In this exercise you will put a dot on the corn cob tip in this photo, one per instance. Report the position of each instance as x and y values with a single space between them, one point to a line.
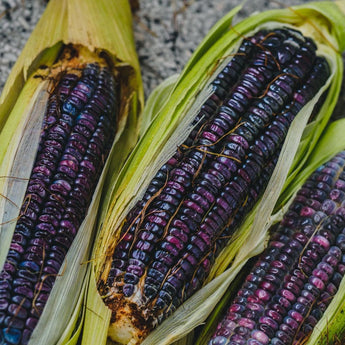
131 326
125 329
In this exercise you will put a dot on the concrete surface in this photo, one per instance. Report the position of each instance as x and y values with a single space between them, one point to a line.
166 31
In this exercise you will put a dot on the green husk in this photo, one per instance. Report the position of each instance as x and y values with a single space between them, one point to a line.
99 27
325 23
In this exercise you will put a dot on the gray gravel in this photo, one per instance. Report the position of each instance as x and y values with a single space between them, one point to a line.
166 31
17 19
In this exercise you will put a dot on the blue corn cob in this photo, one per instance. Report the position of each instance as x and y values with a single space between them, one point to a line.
296 277
200 196
77 132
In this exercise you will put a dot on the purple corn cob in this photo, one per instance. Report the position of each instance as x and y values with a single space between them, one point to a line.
77 133
200 196
294 280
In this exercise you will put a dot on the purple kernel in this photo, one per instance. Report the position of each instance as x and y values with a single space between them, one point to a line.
31 323
193 206
48 218
318 273
236 308
260 336
269 321
274 315
136 270
175 241
290 322
128 290
88 165
267 286
263 295
3 304
67 225
307 211
17 311
318 283
296 315
287 294
322 241
70 164
46 228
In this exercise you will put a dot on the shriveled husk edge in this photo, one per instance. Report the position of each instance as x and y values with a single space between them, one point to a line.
101 27
172 124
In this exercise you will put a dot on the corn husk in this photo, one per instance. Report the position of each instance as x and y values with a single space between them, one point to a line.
178 104
95 27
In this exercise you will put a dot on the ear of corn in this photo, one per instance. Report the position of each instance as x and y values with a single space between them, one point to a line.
169 129
321 290
100 33
329 329
295 279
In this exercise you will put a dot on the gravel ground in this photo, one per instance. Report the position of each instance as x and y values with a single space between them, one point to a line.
166 31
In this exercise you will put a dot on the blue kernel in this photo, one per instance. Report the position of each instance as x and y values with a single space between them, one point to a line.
12 335
69 108
30 265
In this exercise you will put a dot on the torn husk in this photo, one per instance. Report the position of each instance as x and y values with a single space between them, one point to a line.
69 35
171 126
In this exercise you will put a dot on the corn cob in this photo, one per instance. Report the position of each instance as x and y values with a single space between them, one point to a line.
196 201
74 88
77 132
295 279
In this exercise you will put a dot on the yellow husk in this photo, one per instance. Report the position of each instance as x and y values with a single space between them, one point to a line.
95 27
325 23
